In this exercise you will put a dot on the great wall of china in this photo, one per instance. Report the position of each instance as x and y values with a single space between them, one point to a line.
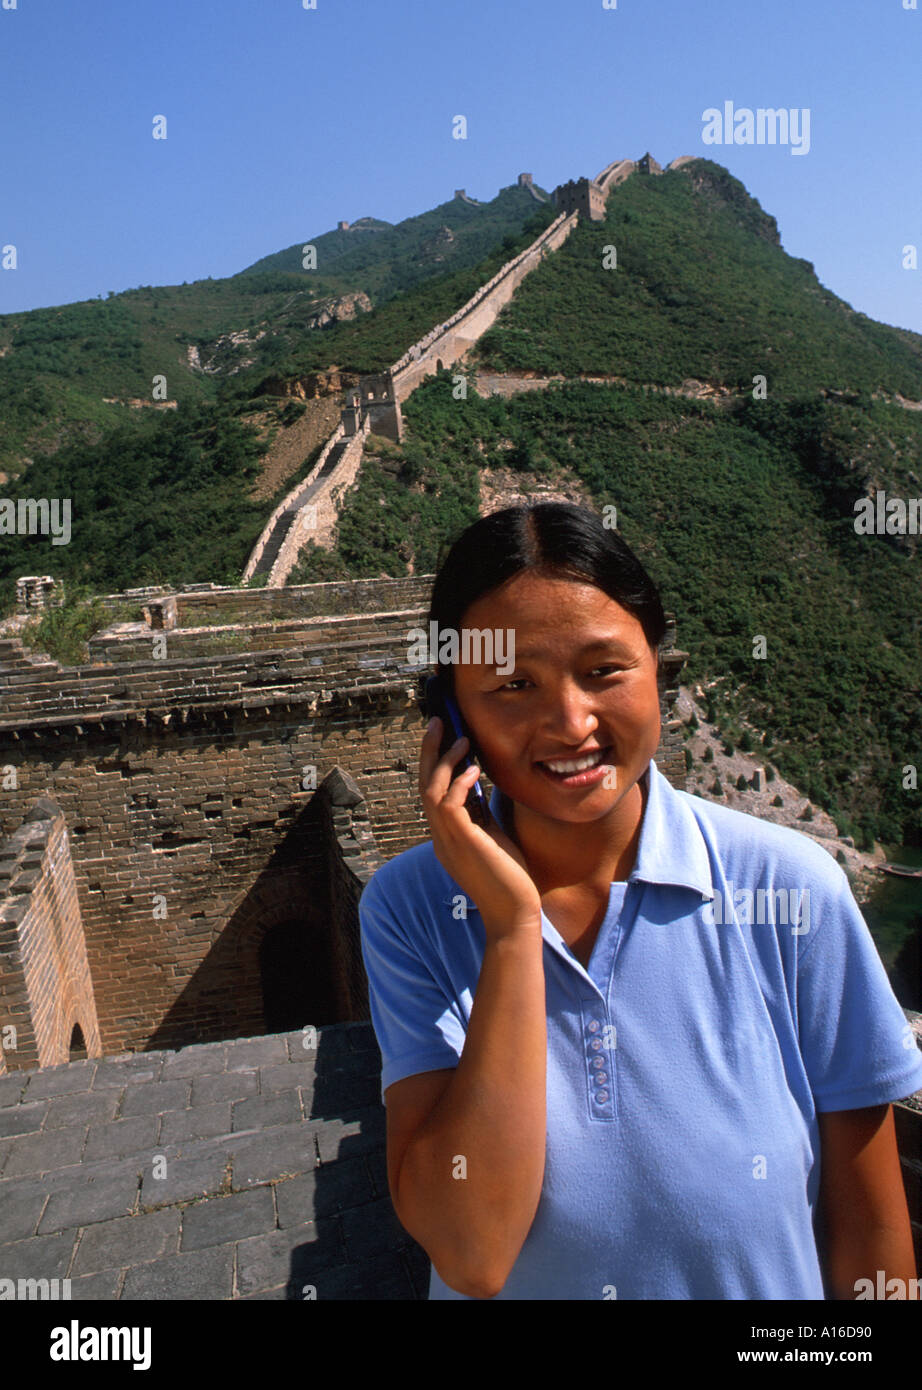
187 824
310 509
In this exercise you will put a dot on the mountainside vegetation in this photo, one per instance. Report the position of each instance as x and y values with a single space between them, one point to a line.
67 372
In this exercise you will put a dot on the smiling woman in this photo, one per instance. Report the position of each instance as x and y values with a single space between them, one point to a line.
595 1086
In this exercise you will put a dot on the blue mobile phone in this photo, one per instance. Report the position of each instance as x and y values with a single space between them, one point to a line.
439 702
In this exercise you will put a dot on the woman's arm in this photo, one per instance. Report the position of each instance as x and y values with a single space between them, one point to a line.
863 1200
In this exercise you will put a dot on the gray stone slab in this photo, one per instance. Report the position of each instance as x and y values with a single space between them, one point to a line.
345 1068
285 1076
256 1052
384 1277
41 1153
129 1240
222 1219
40 1257
296 1256
122 1138
283 1108
200 1274
91 1192
155 1099
286 1151
12 1087
417 1262
340 1094
21 1205
230 1085
198 1122
278 1294
100 1288
23 1119
373 1229
60 1081
376 1163
332 1188
136 1069
186 1178
360 1036
297 1051
346 1138
89 1107
205 1059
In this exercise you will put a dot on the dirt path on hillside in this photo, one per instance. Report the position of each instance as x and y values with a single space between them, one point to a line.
293 443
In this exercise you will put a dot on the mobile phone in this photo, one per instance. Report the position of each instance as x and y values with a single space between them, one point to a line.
438 702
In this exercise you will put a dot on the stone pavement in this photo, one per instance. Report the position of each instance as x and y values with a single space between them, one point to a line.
246 1169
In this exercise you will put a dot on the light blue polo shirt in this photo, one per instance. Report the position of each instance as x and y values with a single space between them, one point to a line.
685 1066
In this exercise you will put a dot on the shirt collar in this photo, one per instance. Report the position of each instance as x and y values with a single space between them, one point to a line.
671 849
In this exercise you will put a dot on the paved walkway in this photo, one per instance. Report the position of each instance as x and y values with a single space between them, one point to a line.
248 1169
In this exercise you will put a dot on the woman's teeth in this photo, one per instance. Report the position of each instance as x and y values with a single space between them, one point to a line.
576 765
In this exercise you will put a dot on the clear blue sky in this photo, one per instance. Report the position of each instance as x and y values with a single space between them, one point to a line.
282 120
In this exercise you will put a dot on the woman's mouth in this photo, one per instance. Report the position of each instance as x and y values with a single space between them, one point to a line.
577 772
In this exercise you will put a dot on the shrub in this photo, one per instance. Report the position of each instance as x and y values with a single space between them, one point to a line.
63 630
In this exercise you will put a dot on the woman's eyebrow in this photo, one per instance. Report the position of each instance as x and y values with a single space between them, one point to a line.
602 643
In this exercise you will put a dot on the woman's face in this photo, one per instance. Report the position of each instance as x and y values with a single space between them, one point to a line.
584 679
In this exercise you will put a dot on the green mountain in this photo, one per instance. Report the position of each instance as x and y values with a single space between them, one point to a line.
701 288
68 372
382 259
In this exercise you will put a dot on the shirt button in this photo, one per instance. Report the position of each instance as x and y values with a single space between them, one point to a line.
594 1026
601 1097
597 1062
596 1044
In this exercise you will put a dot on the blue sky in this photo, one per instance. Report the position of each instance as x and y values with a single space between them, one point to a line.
282 120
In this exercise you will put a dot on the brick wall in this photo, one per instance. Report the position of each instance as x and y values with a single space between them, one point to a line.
45 984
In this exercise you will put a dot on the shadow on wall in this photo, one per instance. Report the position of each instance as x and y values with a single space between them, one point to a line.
346 1196
276 962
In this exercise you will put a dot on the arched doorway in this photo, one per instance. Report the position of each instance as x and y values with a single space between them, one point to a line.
297 982
77 1045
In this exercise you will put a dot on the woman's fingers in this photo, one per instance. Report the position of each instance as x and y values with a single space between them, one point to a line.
435 773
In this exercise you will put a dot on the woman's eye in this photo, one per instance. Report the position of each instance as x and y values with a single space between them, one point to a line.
523 680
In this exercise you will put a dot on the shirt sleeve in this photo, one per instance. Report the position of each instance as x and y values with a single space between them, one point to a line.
417 1025
858 1049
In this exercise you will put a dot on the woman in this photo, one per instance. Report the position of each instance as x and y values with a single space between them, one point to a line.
604 1076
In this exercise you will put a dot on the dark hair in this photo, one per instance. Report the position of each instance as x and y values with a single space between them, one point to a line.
555 539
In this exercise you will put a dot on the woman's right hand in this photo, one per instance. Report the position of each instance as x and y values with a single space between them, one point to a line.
487 864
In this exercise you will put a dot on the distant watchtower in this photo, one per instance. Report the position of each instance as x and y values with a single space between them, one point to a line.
378 400
584 196
342 226
525 181
648 165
